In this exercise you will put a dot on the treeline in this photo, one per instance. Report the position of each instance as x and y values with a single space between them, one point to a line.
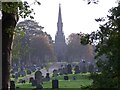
33 46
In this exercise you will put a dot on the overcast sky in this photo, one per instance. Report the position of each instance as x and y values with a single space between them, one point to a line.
77 15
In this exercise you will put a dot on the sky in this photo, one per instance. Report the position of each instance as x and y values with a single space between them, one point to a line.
77 15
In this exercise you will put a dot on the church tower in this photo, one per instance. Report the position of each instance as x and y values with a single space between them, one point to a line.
60 45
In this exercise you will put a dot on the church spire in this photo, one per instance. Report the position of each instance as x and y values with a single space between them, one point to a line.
59 14
60 45
59 23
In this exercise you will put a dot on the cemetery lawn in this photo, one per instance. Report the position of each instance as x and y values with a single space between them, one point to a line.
81 80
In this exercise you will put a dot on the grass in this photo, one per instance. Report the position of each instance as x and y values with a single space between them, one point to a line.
81 80
22 77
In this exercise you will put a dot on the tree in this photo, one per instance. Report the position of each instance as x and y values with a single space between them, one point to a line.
25 30
41 49
36 44
77 51
10 15
107 46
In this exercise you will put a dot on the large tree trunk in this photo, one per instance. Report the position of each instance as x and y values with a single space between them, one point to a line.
8 24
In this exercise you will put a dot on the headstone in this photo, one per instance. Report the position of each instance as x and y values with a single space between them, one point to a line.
16 75
65 70
83 68
69 69
38 77
66 78
55 84
22 73
28 72
74 77
91 68
77 70
31 79
23 81
33 69
61 71
55 73
20 81
61 65
12 85
47 77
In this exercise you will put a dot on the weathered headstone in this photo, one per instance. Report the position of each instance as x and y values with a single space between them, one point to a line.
47 77
12 85
77 70
33 69
65 70
69 69
22 73
55 73
55 84
31 79
38 77
83 68
16 75
28 72
23 81
61 71
90 68
66 78
20 81
74 77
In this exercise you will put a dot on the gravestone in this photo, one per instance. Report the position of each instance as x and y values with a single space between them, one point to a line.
12 85
91 68
77 70
20 81
83 68
22 73
31 79
28 72
33 69
61 71
55 84
69 69
65 70
17 75
38 77
23 81
21 68
47 77
55 73
74 77
66 78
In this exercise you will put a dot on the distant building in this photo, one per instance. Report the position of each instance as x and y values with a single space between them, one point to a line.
61 48
60 44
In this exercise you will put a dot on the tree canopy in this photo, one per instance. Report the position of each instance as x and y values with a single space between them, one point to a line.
107 46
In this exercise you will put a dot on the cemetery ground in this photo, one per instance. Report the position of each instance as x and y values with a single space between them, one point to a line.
82 79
